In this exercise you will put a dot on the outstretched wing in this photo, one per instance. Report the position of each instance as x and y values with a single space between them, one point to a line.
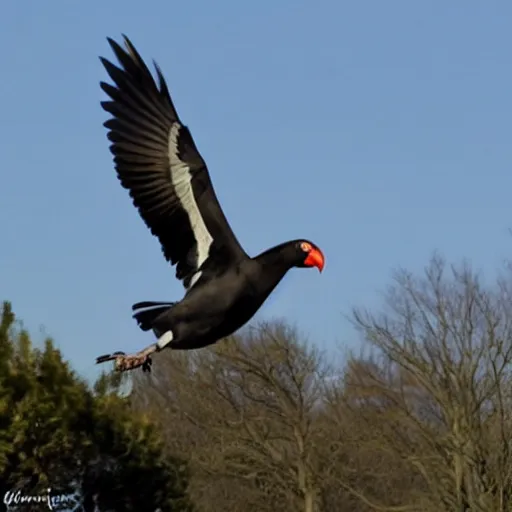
157 161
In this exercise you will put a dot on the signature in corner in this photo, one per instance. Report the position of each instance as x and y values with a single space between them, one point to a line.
13 499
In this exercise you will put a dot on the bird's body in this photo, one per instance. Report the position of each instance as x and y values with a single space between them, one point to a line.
219 307
211 312
157 161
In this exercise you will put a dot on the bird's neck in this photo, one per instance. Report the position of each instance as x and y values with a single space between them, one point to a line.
274 264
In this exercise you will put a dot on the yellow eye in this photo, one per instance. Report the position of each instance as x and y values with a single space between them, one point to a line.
305 246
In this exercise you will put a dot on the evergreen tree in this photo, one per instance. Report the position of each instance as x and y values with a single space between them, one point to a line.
56 432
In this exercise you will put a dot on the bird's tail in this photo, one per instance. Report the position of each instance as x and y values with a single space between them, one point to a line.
146 312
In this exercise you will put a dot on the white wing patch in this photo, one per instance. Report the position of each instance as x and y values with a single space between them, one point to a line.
181 180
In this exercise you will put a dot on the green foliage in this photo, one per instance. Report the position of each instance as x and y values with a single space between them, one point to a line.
55 432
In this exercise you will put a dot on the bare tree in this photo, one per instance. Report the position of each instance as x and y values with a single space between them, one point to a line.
437 391
244 412
422 423
365 474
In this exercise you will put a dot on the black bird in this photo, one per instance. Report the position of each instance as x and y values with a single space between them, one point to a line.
157 160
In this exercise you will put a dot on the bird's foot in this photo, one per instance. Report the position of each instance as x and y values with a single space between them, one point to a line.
124 362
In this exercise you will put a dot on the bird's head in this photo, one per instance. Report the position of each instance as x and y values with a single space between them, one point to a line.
308 255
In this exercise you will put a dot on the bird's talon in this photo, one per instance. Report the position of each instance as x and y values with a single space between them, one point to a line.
130 362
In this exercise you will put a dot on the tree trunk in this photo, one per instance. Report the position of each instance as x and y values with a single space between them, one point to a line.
309 501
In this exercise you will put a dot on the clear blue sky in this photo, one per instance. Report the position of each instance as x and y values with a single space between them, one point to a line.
379 130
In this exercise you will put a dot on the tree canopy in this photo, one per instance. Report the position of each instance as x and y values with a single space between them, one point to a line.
419 420
81 442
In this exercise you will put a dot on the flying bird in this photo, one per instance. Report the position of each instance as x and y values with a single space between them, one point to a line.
157 161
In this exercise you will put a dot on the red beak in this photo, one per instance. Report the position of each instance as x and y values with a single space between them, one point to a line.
315 259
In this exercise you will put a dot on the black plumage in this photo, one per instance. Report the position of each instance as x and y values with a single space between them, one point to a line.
156 159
